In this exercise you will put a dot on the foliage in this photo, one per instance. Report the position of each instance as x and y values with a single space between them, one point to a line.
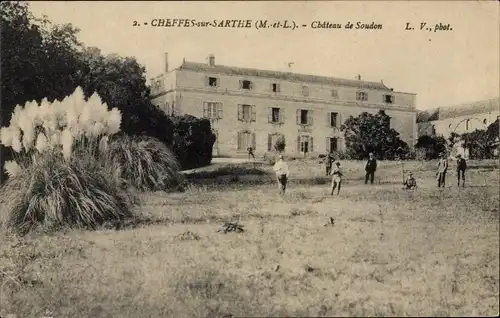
479 144
59 177
280 144
43 60
372 133
121 83
146 163
51 192
432 146
493 130
193 141
453 139
59 126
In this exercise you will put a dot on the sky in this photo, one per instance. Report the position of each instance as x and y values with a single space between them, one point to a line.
443 68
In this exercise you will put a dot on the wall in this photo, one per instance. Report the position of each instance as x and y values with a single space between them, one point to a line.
191 91
191 102
458 124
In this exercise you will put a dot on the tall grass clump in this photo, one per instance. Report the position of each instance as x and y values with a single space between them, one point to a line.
146 163
58 176
52 193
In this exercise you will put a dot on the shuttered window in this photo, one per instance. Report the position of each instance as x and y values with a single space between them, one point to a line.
212 110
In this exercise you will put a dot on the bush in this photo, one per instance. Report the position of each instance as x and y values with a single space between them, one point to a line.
193 141
50 192
146 163
59 176
280 144
431 146
372 133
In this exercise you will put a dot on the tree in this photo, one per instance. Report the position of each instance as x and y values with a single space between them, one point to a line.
431 145
193 141
372 133
280 144
479 144
121 83
38 60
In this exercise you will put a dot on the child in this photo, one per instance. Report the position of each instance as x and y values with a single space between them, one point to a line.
282 172
336 178
410 182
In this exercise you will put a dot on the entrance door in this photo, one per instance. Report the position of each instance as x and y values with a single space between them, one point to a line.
333 145
215 147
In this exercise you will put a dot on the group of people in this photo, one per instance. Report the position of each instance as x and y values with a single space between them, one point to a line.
282 172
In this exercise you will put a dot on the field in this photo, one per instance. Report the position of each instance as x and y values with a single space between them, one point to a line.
389 252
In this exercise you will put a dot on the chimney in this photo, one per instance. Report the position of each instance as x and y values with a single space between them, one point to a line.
166 62
358 77
382 81
211 60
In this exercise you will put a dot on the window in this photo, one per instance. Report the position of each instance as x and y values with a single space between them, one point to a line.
449 126
245 84
389 99
485 121
305 90
362 96
335 94
169 109
246 139
333 119
275 87
271 140
305 144
246 113
212 81
304 117
331 144
467 124
212 110
275 115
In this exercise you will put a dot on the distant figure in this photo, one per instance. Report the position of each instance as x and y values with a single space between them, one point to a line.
461 167
336 178
442 169
410 182
250 153
281 169
328 164
370 168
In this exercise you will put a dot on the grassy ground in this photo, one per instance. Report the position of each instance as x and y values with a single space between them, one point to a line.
389 253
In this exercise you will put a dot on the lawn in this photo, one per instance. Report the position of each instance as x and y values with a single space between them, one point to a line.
389 252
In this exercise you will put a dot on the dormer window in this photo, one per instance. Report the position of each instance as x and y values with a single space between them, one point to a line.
389 99
212 81
246 84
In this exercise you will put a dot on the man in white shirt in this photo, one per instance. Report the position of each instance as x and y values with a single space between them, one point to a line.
281 169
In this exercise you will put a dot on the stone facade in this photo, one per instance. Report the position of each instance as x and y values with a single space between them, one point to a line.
461 119
251 108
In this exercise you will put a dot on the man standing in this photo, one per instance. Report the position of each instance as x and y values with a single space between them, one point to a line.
461 167
328 164
250 153
281 169
442 168
370 168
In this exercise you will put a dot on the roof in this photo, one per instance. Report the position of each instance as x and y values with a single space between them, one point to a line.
467 109
240 71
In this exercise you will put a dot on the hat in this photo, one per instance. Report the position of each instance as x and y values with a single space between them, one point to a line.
337 163
370 154
459 155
